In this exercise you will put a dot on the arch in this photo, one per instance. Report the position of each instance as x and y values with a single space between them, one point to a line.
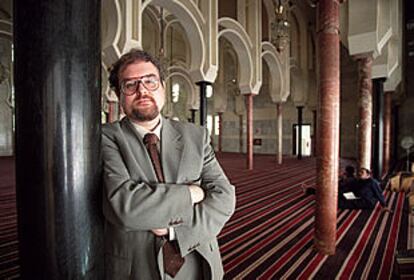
6 27
191 20
277 90
180 71
111 13
242 45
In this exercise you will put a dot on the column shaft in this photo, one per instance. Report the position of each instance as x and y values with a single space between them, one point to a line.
203 101
220 136
279 133
378 139
249 137
58 115
387 132
299 137
365 112
328 124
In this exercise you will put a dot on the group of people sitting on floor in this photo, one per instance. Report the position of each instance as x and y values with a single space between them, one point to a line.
362 192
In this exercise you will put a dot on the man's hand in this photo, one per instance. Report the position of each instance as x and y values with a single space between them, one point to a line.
197 193
160 231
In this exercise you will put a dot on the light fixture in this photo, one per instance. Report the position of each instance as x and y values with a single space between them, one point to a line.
280 25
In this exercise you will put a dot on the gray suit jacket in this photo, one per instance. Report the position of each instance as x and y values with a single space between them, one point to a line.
134 203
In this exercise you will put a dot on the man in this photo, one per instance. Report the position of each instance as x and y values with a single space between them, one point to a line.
367 193
154 210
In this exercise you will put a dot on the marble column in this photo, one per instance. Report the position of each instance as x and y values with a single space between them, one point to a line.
241 135
315 132
220 128
249 132
328 127
365 111
378 128
279 133
58 115
113 114
193 114
395 131
203 101
299 136
387 132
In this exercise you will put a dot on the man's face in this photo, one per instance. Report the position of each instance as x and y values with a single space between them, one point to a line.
144 105
363 174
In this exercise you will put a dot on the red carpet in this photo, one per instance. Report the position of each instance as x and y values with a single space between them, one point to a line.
270 235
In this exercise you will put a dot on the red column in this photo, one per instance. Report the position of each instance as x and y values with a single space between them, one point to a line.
249 141
220 128
279 133
241 136
112 111
315 132
328 127
365 111
387 131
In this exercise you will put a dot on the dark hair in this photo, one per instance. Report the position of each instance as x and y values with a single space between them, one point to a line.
350 170
134 55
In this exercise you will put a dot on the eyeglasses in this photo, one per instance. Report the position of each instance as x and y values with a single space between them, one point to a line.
130 87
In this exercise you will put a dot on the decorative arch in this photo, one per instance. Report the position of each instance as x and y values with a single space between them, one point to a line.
111 15
237 36
270 56
6 27
191 20
180 71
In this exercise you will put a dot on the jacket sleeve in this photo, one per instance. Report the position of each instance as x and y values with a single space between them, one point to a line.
131 203
377 192
210 215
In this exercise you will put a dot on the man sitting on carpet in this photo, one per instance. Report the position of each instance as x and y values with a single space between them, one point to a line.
364 194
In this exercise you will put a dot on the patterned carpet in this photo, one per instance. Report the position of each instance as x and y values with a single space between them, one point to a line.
270 234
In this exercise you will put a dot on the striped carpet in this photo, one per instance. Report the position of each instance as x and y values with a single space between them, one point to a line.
270 235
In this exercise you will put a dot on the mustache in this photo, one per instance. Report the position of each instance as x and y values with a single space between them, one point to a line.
145 98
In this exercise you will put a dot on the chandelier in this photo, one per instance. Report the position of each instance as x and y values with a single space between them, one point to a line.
280 26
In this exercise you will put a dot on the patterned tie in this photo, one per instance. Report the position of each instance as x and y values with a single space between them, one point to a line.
171 254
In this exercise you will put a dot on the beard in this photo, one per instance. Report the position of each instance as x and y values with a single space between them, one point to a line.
145 114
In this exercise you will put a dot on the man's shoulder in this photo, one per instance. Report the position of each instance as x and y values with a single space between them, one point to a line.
109 128
185 127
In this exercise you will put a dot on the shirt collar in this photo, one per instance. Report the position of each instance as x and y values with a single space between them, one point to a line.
142 130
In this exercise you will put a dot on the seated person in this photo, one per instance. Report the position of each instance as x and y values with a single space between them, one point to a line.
367 192
346 181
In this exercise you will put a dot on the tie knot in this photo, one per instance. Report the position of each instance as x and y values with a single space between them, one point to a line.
150 139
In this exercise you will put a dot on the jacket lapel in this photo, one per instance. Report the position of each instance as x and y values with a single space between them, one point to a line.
171 151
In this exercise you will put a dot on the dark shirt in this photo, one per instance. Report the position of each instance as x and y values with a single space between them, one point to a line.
368 192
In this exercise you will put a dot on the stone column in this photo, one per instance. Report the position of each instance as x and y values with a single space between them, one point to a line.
193 112
315 132
299 137
279 133
387 132
58 115
203 101
365 111
249 132
220 128
378 129
241 135
328 127
113 114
